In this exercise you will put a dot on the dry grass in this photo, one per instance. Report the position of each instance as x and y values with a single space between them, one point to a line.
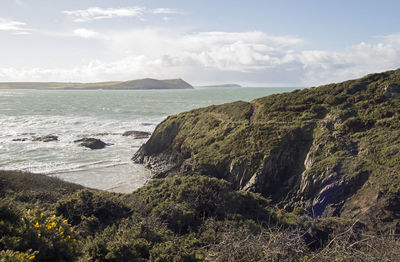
278 245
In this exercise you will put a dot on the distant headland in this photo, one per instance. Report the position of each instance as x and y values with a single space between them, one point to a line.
140 84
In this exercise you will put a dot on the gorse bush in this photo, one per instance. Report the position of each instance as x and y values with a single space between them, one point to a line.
16 256
51 237
91 210
183 203
209 221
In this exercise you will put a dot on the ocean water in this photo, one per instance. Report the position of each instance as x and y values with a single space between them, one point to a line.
103 114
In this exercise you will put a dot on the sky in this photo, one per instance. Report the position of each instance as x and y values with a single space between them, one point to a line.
273 43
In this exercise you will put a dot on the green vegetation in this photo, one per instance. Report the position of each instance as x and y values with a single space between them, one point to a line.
191 218
335 147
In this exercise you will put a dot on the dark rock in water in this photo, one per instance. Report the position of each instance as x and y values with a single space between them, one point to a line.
92 143
47 138
106 134
20 139
146 124
137 134
102 134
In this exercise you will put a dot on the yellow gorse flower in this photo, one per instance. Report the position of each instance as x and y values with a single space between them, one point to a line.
36 224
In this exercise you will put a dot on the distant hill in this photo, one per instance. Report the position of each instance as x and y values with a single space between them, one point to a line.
140 84
218 86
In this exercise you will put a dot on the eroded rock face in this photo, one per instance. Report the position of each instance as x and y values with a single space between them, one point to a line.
318 148
392 90
92 143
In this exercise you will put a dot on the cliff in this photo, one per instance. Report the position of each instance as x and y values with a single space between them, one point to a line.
333 150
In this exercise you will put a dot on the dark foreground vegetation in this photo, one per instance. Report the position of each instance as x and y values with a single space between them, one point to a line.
311 175
192 218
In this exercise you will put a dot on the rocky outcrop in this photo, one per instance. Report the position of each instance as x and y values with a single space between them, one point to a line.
47 138
22 139
92 143
392 90
323 149
137 134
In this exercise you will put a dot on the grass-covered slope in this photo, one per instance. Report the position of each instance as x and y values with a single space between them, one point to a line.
193 218
333 149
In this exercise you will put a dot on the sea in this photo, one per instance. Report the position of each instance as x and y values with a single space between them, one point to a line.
102 114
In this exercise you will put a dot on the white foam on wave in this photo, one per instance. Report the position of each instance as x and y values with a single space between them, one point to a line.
66 159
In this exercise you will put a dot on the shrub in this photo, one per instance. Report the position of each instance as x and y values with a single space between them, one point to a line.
95 209
130 241
51 236
185 202
16 256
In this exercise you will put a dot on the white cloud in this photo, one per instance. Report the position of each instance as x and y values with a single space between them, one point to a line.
10 25
354 61
166 11
85 33
95 13
244 51
206 57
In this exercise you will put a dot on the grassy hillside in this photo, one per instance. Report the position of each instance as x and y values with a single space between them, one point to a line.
333 150
192 218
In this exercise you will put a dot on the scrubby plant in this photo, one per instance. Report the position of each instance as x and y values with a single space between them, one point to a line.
17 256
51 236
91 211
183 203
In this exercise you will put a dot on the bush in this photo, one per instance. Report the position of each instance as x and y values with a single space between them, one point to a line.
51 236
16 256
185 202
95 209
130 241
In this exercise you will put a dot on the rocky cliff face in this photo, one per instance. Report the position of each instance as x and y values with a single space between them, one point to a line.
334 149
